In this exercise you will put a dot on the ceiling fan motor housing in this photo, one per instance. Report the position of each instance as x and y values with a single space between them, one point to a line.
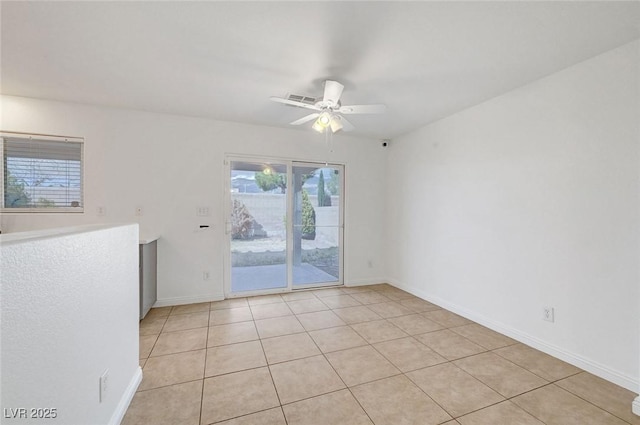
328 105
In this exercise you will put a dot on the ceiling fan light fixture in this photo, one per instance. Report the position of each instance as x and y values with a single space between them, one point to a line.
335 123
323 121
317 127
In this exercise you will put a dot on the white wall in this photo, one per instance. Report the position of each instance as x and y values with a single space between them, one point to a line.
531 200
171 164
69 302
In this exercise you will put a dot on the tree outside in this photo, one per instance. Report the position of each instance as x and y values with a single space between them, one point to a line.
324 199
334 184
14 194
268 181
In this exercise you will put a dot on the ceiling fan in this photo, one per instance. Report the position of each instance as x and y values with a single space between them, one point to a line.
329 110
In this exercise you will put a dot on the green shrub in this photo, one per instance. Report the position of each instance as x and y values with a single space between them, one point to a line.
308 218
15 195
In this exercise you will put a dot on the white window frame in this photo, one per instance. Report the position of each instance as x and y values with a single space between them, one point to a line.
41 137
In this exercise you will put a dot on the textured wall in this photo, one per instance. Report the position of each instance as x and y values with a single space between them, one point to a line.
69 311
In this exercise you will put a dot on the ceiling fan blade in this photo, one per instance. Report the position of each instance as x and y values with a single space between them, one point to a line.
332 92
294 103
346 125
363 109
305 119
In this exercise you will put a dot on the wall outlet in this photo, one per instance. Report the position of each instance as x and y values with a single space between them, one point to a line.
104 385
139 211
547 314
101 211
205 275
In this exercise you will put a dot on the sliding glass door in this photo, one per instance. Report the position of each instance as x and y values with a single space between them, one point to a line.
317 224
284 226
257 227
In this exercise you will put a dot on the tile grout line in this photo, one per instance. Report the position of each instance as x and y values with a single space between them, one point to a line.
423 391
168 385
404 374
549 382
341 379
204 371
493 351
243 370
451 362
582 398
266 360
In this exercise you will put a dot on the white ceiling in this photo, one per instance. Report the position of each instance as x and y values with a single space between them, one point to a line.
424 60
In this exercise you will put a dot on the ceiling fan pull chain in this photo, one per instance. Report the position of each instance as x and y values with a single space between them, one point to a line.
328 138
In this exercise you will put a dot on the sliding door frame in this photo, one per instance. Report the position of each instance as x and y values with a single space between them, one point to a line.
227 202
340 225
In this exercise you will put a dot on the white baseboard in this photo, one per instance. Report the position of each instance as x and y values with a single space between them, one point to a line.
126 398
575 359
166 302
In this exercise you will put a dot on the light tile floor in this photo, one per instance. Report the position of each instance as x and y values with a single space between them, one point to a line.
351 356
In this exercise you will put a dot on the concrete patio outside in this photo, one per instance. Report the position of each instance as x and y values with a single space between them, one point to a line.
254 278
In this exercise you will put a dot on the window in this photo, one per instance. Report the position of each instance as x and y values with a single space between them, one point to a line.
41 173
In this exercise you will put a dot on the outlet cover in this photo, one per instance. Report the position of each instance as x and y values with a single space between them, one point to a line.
547 314
104 385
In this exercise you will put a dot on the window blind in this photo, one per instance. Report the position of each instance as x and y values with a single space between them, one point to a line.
42 173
